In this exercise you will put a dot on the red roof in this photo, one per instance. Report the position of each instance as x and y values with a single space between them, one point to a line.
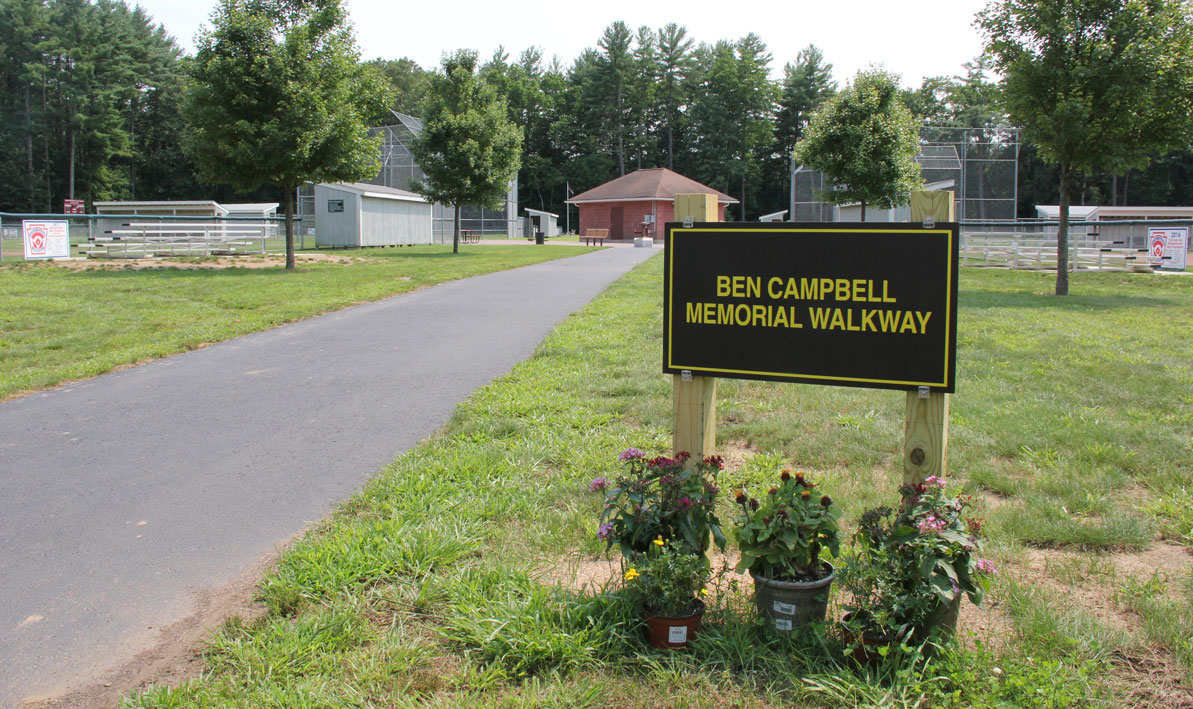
657 183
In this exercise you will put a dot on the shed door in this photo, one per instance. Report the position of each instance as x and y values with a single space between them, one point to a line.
616 216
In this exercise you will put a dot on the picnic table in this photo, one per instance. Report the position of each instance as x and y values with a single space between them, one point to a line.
470 236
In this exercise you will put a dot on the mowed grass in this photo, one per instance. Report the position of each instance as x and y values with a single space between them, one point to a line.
58 324
455 578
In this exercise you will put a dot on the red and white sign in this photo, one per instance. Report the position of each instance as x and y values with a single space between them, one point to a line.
72 206
1168 247
46 239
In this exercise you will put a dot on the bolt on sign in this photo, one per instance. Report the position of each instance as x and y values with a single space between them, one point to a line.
865 305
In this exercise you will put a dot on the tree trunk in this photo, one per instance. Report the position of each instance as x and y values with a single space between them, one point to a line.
72 162
289 189
1062 233
670 148
29 148
863 210
132 139
620 137
743 196
45 142
456 229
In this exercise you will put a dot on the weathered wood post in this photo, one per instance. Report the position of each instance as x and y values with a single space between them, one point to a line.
694 422
926 430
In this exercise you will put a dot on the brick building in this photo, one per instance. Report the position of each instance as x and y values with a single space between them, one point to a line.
639 203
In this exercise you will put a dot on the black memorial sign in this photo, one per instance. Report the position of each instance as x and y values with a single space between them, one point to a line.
866 305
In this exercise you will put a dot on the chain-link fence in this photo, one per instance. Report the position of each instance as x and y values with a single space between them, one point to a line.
140 235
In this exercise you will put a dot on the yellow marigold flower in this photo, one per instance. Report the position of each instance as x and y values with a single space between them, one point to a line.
658 542
704 592
632 574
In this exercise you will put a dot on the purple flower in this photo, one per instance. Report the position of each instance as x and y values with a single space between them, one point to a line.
605 530
631 454
685 503
598 485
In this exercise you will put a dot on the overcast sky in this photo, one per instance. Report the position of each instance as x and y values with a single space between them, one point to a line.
927 38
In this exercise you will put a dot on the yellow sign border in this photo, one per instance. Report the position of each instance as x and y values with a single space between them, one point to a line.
780 230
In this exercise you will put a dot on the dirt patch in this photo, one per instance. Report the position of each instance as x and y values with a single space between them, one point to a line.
1145 675
1161 557
178 654
735 454
1149 677
197 264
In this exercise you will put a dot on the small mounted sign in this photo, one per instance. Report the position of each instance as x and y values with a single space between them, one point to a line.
72 206
847 304
46 239
335 205
1168 247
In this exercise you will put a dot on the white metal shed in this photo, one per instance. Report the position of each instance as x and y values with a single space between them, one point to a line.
360 214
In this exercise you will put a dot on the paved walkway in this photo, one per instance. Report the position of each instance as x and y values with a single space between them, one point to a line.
123 498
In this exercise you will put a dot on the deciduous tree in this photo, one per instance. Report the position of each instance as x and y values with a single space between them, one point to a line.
1097 84
865 140
469 150
278 95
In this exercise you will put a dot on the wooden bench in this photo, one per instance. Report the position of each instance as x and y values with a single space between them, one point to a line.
595 237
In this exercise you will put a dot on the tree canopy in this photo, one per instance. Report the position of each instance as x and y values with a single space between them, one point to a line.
1095 85
278 95
865 140
468 149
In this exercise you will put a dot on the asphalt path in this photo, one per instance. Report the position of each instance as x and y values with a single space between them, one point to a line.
125 497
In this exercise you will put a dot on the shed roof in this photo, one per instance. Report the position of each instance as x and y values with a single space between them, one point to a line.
253 207
370 190
649 184
190 204
1096 212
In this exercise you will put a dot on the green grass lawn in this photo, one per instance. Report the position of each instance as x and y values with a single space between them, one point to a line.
453 579
58 324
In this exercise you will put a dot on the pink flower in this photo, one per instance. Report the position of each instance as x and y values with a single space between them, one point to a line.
685 503
931 525
986 566
605 530
935 480
598 485
631 454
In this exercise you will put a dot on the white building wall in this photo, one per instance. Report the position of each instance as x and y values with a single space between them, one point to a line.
393 222
336 229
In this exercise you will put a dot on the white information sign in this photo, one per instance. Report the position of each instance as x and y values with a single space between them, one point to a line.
46 239
1168 247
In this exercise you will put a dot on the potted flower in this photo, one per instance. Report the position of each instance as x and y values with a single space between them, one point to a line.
657 498
661 514
782 537
912 567
668 581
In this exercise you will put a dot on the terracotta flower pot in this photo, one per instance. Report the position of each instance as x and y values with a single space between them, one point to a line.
673 632
788 605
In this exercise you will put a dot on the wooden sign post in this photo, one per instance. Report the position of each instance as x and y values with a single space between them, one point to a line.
926 430
695 397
